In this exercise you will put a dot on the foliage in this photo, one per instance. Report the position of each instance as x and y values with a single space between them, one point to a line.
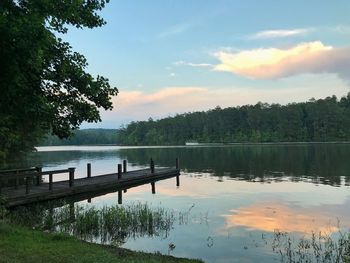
44 86
316 120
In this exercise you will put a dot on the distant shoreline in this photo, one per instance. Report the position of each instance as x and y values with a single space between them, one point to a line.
190 146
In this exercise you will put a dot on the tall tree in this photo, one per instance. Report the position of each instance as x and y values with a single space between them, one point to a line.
43 83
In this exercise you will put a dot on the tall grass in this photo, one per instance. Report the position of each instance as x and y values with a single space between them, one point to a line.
107 224
319 247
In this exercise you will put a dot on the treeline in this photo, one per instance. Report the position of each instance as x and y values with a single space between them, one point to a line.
316 120
84 137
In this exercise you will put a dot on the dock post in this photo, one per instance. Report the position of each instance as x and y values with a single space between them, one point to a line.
119 171
125 190
177 180
39 176
120 197
177 163
153 184
50 181
27 184
124 166
89 170
152 166
71 176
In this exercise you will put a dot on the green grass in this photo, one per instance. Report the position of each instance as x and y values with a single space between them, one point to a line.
21 244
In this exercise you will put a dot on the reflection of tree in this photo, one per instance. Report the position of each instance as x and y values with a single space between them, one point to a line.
318 163
112 225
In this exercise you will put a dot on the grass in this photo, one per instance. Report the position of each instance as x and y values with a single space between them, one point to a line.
106 225
319 247
22 244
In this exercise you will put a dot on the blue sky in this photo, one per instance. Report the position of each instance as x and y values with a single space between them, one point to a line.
169 57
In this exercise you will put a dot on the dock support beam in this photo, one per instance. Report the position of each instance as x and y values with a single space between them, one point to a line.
39 177
124 166
71 176
120 197
50 182
28 179
119 171
153 184
177 166
177 180
152 166
88 170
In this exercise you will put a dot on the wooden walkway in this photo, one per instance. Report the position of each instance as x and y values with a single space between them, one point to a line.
23 194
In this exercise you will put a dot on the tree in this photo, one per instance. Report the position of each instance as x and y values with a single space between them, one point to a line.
43 83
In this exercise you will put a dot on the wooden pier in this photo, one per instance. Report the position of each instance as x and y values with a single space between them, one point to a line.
28 185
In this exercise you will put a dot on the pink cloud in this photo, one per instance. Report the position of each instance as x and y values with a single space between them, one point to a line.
274 63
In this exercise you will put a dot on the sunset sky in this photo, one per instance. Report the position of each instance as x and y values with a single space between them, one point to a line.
169 57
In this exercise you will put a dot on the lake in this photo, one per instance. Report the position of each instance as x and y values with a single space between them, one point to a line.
232 200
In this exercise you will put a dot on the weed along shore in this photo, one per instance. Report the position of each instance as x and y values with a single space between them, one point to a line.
22 244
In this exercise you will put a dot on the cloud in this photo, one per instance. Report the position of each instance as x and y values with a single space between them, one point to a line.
184 63
274 63
280 33
137 105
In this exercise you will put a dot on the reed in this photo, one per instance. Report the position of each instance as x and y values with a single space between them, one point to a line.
319 247
106 225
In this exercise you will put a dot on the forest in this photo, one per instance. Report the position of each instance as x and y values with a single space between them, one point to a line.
84 137
312 121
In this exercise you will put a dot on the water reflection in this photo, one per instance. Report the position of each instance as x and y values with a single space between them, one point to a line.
235 194
270 217
318 163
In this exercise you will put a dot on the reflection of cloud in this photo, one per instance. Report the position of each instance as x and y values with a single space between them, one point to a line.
273 63
280 33
276 216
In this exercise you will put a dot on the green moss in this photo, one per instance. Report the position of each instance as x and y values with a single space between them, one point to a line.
20 244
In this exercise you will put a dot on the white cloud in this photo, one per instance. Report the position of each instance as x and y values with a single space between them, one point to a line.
274 63
280 33
172 74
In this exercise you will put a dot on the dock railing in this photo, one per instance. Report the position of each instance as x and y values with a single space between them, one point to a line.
29 177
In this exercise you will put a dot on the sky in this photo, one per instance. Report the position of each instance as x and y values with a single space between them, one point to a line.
168 57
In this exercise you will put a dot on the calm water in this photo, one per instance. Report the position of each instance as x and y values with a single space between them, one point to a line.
234 197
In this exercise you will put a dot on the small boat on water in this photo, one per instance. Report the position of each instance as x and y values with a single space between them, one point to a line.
191 143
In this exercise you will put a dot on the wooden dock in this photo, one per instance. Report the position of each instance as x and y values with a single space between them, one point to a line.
33 189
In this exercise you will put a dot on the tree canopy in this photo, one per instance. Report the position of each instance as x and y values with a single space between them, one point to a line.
44 84
316 120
